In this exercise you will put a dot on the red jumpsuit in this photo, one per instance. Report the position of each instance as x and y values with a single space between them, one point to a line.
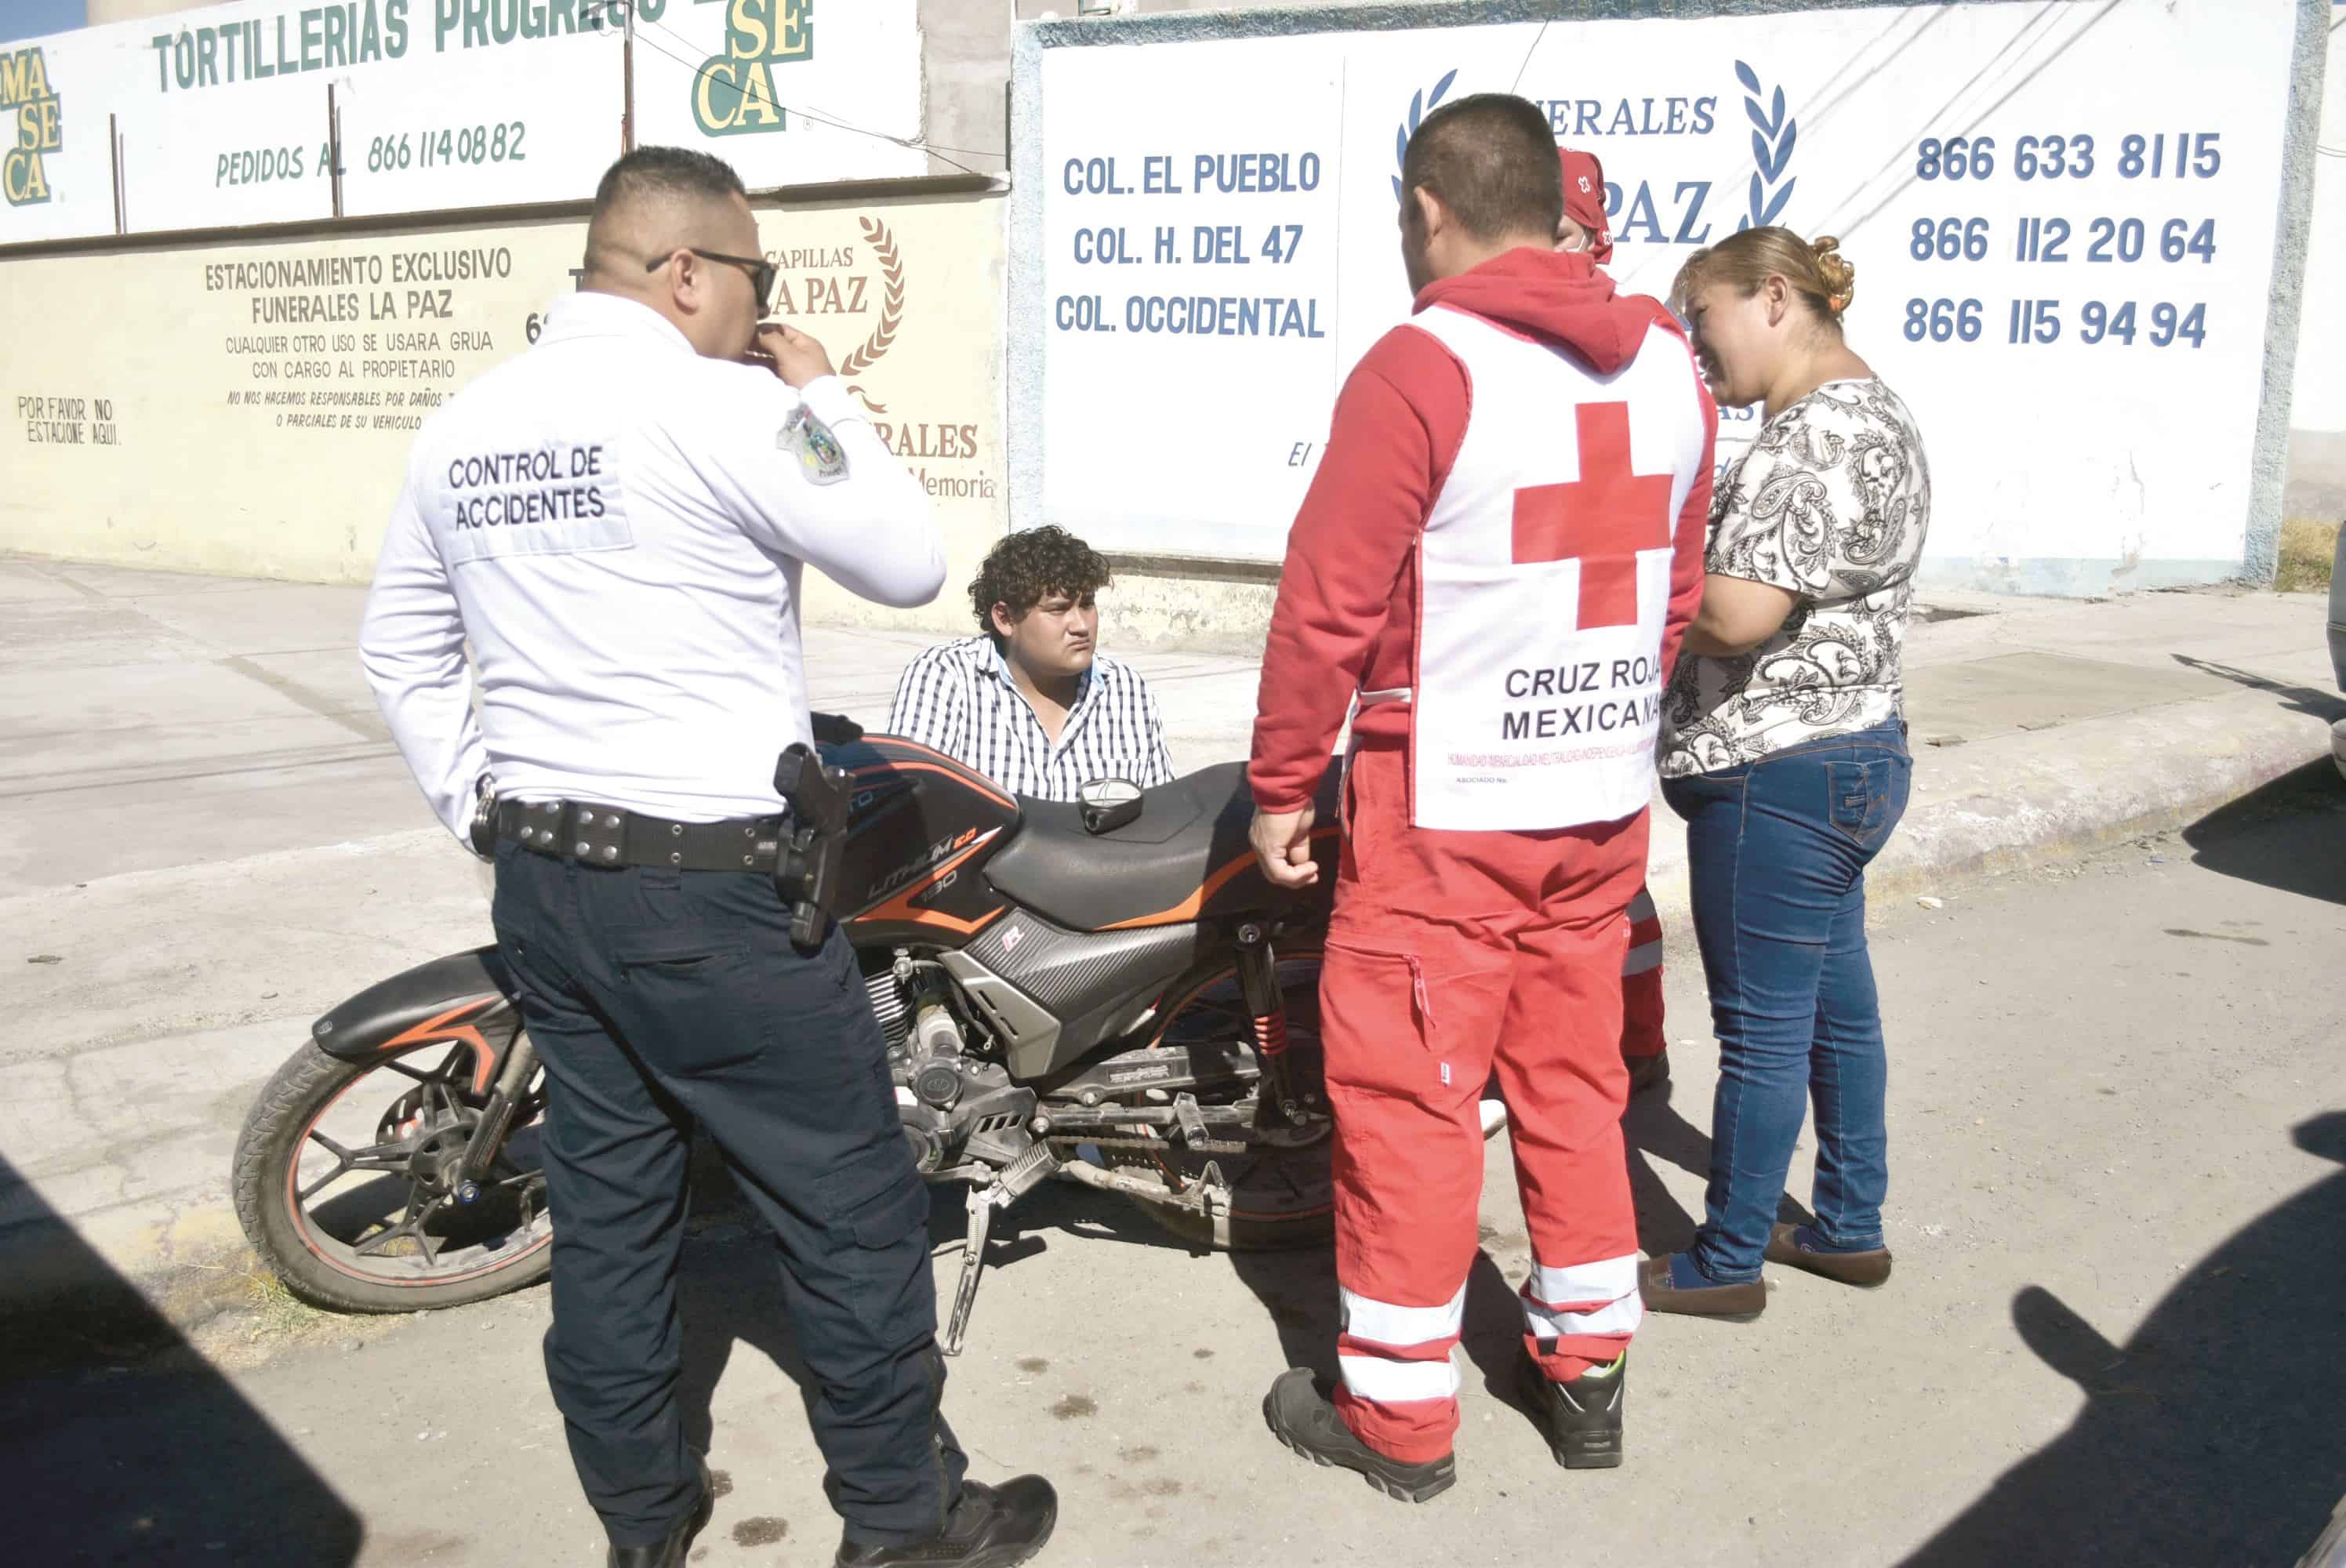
1641 977
1453 951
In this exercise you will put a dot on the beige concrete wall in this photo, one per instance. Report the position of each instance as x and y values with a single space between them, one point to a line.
916 303
156 416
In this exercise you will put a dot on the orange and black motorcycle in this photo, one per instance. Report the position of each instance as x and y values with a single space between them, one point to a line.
1107 992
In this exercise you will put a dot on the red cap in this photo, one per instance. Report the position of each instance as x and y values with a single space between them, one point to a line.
1584 199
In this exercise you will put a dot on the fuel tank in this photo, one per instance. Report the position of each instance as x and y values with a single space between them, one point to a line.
920 826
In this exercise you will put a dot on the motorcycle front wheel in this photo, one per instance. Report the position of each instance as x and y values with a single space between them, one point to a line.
346 1183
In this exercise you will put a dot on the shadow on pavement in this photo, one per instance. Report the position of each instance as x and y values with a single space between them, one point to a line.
729 1288
1298 1291
2214 1436
2311 861
2328 706
1655 1129
121 1444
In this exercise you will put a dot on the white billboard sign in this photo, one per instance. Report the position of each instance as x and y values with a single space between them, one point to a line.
223 112
2063 219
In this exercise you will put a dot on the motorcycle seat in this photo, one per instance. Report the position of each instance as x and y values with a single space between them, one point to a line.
1188 842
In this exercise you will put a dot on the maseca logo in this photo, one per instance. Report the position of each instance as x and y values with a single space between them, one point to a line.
733 93
1663 211
32 106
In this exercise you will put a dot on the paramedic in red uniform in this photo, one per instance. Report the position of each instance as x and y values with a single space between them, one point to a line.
1583 229
1496 559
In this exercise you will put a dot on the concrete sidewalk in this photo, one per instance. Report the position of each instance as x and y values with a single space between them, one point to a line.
210 840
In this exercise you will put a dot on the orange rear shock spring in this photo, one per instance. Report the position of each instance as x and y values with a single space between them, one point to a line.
1271 1034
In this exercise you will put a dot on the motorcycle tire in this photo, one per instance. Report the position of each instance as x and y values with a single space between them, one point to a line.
1296 1186
1240 1230
267 1152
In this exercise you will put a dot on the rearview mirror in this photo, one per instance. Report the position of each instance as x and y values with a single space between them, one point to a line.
1109 804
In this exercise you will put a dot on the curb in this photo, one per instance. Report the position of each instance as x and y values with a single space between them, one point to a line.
1997 806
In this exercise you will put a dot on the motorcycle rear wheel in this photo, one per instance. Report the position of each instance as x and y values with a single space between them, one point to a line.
398 1240
1282 1200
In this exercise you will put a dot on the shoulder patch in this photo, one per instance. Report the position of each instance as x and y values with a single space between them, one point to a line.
819 455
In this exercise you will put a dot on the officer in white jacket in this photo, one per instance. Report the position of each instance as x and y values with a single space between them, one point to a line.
617 521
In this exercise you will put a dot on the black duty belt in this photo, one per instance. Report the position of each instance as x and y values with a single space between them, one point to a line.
611 836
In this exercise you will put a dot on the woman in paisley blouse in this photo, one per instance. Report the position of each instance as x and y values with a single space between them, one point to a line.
1784 748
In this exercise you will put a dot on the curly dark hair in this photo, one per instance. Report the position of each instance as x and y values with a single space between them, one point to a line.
1029 566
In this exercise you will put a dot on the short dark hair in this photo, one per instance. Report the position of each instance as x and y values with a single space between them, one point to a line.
1491 158
673 172
1029 566
666 171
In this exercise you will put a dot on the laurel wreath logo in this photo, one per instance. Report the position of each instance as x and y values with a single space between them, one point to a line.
874 349
1773 136
1418 104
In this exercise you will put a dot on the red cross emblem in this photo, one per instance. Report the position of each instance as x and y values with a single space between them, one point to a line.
1602 519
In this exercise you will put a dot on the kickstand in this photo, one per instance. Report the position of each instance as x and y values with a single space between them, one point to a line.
983 1203
1018 1179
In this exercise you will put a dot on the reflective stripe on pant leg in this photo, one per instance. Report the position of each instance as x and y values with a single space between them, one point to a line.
1641 981
1395 1355
1583 1300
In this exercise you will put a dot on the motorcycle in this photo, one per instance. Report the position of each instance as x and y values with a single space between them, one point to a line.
1107 992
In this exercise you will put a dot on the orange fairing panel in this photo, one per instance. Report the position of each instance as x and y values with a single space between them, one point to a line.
902 908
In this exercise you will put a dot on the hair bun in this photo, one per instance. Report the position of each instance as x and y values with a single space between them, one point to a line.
1840 278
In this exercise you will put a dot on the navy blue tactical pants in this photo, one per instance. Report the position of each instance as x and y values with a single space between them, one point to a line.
664 1000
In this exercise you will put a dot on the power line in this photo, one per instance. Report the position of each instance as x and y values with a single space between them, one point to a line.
817 116
1536 39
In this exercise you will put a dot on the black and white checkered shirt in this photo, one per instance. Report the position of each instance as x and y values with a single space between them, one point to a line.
959 699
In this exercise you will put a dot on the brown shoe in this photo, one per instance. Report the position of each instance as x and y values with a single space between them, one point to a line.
1869 1268
1738 1303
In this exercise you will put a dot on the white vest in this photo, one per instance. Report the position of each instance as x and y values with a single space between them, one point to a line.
1543 578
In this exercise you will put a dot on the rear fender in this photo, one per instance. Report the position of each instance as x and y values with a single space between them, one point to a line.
465 998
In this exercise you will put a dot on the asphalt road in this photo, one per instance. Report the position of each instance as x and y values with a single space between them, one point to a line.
2117 1114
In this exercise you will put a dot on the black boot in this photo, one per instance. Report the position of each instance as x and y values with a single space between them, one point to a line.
1582 1418
1309 1424
991 1527
1650 1072
670 1552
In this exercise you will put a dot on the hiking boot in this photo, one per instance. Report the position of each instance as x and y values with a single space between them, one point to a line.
1582 1418
1648 1073
671 1552
1302 1419
1798 1247
991 1527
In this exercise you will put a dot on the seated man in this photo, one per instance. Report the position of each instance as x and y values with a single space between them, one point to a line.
1030 702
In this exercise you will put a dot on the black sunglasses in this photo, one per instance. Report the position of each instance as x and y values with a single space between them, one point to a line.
762 272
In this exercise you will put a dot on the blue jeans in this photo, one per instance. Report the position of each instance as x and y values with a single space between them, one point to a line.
1776 858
